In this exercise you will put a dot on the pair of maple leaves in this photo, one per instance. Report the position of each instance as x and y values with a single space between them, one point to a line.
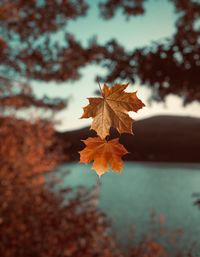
110 110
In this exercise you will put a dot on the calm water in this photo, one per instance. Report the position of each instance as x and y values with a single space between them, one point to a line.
128 198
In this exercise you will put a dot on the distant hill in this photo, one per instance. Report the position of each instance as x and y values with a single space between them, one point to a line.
157 139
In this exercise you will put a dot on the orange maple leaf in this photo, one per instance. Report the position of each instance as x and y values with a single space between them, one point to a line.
103 153
111 110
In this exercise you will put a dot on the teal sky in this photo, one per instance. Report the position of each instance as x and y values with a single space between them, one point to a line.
157 24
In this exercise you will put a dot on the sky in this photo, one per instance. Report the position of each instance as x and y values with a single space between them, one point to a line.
157 24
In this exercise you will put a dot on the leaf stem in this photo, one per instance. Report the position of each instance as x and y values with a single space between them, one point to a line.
99 87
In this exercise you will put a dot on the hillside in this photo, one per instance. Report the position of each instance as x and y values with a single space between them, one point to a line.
159 139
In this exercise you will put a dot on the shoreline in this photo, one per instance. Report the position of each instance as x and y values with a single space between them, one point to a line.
184 165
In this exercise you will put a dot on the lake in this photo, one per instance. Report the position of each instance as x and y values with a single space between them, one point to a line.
129 197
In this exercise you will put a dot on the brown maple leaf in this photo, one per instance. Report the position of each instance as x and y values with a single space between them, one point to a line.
103 153
111 110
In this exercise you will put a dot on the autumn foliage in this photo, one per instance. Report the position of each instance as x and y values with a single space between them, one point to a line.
29 49
29 148
111 110
103 153
37 220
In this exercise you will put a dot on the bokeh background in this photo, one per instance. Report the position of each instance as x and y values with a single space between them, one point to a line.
52 53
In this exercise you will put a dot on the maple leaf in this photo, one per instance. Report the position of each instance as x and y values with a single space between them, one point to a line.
103 153
111 110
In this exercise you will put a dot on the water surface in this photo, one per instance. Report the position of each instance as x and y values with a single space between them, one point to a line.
129 197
